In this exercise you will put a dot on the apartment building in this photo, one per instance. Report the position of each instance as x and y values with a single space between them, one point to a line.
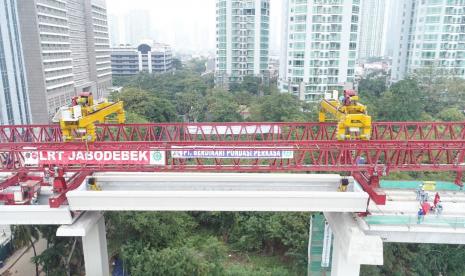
242 40
14 102
430 34
373 21
67 52
147 57
319 46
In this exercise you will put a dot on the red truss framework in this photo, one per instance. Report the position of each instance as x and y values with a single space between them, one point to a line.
394 146
247 132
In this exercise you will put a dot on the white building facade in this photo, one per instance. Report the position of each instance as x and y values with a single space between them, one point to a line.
14 101
431 34
67 52
242 40
319 46
153 58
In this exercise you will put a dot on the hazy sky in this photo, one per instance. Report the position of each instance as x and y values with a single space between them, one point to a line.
188 24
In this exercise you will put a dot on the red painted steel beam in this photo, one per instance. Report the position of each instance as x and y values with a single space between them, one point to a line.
10 181
308 156
370 184
249 131
75 181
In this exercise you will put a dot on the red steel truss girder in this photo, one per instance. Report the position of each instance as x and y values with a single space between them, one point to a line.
395 146
249 131
370 184
57 200
308 156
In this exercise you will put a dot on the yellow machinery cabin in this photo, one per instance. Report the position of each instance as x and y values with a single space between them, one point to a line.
353 122
78 120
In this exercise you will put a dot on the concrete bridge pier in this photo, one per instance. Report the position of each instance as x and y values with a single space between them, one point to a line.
91 227
352 247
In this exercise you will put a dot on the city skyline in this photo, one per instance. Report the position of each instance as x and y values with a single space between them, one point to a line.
196 30
193 27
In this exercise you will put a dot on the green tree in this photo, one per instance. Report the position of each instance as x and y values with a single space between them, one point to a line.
278 108
222 107
372 86
197 65
134 118
176 261
251 84
192 105
157 229
121 81
439 90
451 114
62 256
403 102
176 63
141 102
26 235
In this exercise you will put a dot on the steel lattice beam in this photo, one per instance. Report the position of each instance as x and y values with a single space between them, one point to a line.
177 132
395 146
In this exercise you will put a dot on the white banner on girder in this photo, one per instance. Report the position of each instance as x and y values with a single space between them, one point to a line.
232 153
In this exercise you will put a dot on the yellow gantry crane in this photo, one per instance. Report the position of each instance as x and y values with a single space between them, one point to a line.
78 120
353 122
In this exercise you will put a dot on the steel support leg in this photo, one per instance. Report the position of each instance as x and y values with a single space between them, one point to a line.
91 227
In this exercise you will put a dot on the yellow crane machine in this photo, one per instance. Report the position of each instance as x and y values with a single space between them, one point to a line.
77 121
353 121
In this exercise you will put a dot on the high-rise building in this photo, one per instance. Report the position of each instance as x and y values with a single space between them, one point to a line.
372 28
137 26
114 30
319 46
391 23
242 39
66 51
14 102
147 57
429 34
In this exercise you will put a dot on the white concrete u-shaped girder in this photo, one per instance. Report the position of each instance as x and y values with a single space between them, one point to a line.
218 192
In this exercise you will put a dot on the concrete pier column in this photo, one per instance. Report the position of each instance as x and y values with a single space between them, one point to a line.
352 247
91 227
341 263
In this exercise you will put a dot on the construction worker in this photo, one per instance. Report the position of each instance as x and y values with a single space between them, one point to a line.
92 184
437 198
360 160
425 196
344 185
426 207
419 191
420 216
438 208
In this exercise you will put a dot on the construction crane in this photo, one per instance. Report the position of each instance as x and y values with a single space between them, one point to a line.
353 122
77 121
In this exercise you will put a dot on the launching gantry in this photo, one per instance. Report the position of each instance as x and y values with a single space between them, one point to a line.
77 121
353 121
